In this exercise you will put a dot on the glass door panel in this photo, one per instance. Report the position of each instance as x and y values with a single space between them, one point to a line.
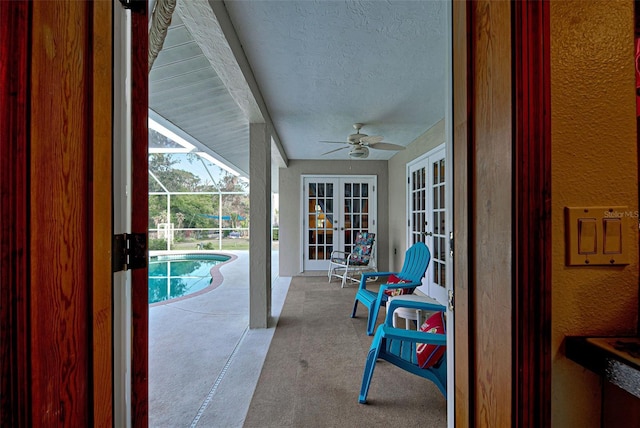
418 223
438 238
356 207
319 216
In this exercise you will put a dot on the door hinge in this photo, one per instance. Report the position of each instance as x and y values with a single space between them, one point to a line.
129 251
451 244
451 300
137 6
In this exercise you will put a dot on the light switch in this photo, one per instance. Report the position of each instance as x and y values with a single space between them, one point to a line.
598 235
587 239
612 236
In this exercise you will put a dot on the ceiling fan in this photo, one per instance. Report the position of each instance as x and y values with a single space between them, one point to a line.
359 144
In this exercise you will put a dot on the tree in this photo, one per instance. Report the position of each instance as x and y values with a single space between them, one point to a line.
186 210
193 211
176 180
235 205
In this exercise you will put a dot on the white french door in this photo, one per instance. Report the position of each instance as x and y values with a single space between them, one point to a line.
335 209
427 217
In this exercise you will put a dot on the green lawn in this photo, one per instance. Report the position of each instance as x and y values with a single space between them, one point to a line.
206 244
227 244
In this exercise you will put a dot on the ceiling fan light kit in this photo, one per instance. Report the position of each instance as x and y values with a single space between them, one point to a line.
359 152
360 144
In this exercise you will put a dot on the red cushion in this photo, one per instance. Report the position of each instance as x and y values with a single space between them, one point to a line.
397 291
429 354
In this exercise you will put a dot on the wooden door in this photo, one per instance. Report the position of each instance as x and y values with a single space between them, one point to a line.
501 120
55 113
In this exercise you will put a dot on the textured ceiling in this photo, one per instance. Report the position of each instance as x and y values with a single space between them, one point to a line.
320 66
324 65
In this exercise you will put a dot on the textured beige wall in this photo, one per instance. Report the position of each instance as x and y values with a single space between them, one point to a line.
290 192
431 139
594 163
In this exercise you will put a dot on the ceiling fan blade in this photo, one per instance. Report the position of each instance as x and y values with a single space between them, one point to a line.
371 139
341 148
335 142
386 146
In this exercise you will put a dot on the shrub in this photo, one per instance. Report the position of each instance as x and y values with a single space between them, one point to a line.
157 244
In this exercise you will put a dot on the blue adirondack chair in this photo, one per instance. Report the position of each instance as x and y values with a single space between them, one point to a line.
398 346
416 261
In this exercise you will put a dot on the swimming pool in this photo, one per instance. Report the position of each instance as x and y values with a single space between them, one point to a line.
178 275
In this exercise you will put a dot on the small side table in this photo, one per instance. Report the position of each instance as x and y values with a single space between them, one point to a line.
411 314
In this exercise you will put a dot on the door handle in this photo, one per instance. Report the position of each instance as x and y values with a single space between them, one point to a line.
427 233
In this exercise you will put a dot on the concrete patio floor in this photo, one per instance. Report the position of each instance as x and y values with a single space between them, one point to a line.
204 362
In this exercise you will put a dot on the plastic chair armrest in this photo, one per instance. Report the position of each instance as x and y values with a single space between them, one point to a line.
387 286
365 275
389 332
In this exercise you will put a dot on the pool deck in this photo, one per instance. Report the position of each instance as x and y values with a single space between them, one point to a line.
204 362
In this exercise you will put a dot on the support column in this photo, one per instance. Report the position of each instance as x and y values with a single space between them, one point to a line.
260 226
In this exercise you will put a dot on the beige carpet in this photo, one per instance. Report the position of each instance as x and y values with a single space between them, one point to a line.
313 370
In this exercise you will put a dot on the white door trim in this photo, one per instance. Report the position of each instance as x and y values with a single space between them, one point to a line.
122 315
448 123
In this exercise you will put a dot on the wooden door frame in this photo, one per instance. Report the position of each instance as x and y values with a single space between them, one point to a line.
532 193
140 214
531 284
462 200
15 401
531 310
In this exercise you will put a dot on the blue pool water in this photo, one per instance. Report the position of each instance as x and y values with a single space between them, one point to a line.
172 276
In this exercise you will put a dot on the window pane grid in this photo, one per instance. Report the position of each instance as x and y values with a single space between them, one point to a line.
320 221
439 225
